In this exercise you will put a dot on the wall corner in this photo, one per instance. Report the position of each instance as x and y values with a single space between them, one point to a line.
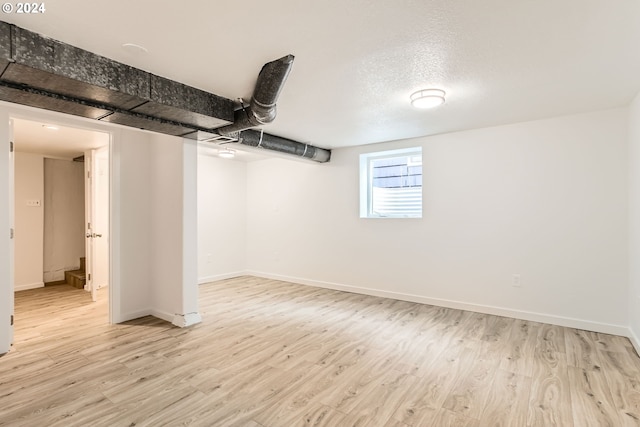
186 320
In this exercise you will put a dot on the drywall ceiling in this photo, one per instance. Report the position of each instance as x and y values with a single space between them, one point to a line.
61 143
357 62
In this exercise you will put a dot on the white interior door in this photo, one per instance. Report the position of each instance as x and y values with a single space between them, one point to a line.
97 214
100 275
88 215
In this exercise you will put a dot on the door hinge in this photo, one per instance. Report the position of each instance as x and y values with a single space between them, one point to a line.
11 146
12 320
89 277
89 174
11 233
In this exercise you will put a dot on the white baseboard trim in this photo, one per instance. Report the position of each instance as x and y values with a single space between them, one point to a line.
161 315
214 278
18 288
125 317
634 340
180 320
479 308
185 320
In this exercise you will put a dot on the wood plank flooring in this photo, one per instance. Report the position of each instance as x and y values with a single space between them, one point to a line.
270 353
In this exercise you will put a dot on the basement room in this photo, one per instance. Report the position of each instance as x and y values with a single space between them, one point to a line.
340 214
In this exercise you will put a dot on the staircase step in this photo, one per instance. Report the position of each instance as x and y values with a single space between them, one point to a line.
80 274
76 278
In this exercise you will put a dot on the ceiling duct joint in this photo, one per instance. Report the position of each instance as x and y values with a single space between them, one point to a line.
262 107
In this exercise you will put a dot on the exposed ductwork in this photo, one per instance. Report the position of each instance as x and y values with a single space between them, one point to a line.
259 139
262 111
262 108
44 73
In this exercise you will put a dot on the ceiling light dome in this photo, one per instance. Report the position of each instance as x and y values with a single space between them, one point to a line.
227 153
427 98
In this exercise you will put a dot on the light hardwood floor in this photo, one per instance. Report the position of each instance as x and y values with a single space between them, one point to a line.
271 353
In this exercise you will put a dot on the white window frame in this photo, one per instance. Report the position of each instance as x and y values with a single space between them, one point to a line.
366 179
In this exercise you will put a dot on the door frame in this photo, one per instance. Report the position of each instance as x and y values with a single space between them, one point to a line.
34 114
12 221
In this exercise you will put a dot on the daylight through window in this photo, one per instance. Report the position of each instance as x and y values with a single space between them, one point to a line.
391 184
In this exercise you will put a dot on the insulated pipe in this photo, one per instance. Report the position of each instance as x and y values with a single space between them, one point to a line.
262 108
255 138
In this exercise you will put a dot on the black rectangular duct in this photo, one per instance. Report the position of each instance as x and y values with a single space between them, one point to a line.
31 61
174 101
41 99
44 73
47 64
5 46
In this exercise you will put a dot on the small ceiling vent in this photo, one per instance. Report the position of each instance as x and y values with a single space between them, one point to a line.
221 139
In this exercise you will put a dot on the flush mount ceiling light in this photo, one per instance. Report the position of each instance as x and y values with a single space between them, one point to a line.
227 153
50 127
427 98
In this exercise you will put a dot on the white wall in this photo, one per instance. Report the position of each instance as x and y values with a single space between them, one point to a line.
149 235
64 216
189 313
634 220
29 221
222 217
545 199
166 225
155 219
130 233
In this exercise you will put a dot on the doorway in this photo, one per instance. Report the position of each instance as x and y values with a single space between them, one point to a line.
61 203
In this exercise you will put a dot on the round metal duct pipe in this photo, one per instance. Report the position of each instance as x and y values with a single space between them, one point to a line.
267 141
262 108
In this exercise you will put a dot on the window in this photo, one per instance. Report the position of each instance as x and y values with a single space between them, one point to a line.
391 184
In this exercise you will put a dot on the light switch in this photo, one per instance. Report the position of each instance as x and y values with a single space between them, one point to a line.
33 202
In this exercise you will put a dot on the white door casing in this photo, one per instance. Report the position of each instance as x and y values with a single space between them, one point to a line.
11 170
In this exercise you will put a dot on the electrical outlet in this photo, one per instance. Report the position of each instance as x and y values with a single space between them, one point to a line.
516 281
209 258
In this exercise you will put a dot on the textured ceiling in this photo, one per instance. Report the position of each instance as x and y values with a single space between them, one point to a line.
357 62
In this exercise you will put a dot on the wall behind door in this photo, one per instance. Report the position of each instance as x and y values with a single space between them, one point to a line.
29 221
63 217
